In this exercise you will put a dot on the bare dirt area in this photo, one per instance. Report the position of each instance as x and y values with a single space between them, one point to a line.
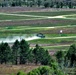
30 9
38 22
18 9
9 69
55 44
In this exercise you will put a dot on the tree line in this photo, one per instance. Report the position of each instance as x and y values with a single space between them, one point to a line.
20 53
67 58
40 3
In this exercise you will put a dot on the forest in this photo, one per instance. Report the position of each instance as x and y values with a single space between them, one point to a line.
39 3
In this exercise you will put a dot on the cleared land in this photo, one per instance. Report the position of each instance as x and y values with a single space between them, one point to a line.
48 23
14 69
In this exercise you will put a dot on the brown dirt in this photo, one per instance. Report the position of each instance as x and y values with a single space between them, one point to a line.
34 9
55 44
37 22
18 9
9 69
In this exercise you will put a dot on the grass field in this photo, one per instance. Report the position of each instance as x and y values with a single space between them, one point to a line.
48 23
37 29
57 13
14 17
71 16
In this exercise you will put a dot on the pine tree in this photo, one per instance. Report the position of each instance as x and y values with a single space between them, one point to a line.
16 51
41 55
24 50
71 54
5 53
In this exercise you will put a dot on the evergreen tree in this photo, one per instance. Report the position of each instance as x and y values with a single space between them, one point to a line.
36 52
52 4
5 53
39 2
46 4
60 58
2 53
30 56
61 4
71 54
41 55
57 5
24 50
16 51
70 5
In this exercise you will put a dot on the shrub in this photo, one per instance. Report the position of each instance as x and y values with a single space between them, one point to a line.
21 73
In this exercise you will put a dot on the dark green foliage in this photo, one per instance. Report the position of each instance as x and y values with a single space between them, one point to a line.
52 4
41 56
16 3
71 54
53 64
45 70
30 56
20 53
61 4
70 5
5 53
13 4
60 58
24 50
46 4
21 73
60 55
55 68
16 51
57 5
2 53
39 2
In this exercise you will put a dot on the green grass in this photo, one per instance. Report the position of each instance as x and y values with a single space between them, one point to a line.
12 17
53 41
56 47
34 30
48 13
72 16
48 32
58 35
